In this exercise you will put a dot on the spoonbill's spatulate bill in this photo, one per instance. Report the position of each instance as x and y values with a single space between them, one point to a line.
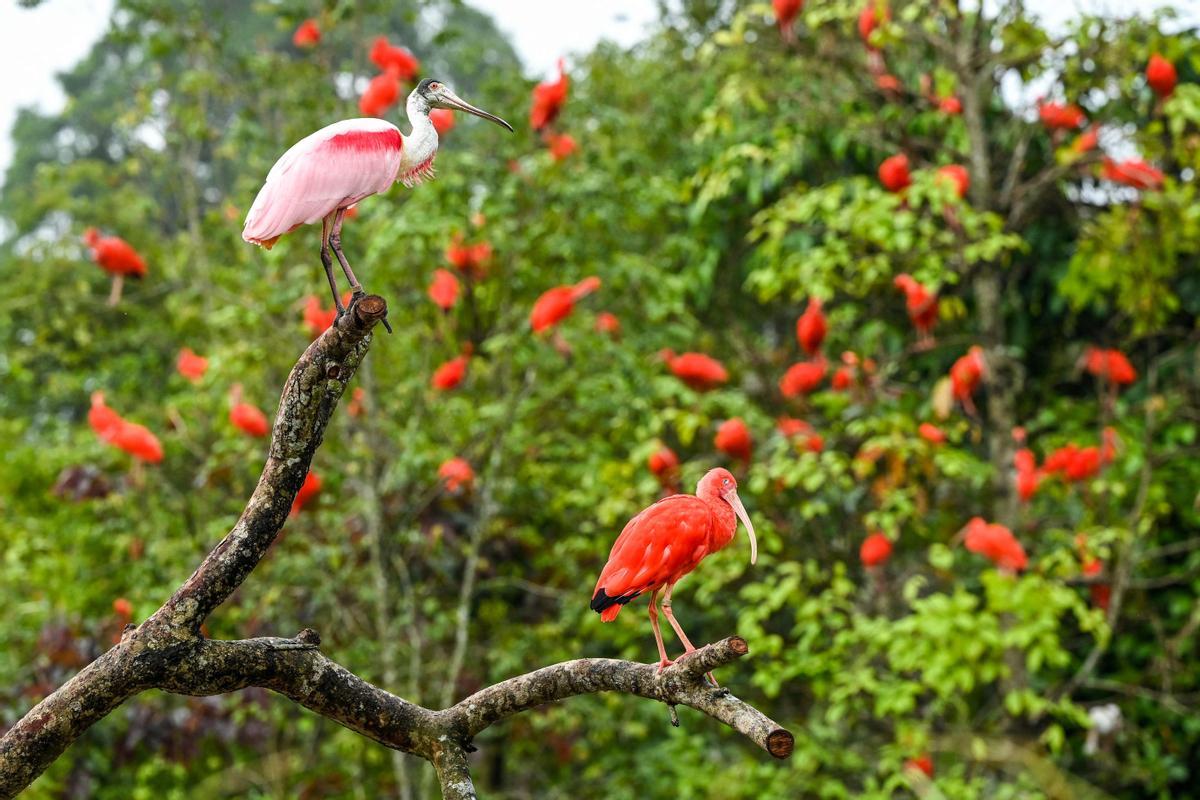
326 172
667 541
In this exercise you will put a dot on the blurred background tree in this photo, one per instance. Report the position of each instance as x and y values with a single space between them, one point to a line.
726 170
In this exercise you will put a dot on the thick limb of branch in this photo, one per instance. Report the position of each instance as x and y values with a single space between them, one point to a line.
167 652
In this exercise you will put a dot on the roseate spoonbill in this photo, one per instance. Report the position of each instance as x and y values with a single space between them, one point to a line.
117 257
667 541
1161 76
326 172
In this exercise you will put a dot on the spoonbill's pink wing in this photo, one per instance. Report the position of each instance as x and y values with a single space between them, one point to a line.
657 547
333 168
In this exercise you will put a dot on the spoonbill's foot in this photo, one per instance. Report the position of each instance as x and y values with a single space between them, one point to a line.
664 663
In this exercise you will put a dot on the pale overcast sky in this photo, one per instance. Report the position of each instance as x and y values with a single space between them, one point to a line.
37 43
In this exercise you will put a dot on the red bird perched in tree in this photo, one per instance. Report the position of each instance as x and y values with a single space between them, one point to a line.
308 491
395 59
246 417
1028 476
667 541
444 289
1109 365
1101 592
1133 172
922 763
307 34
607 322
801 431
922 307
381 94
894 174
1086 141
697 370
456 474
874 14
996 543
117 257
875 551
469 259
317 319
811 327
843 379
803 377
556 304
443 120
950 105
562 145
733 439
664 465
1061 116
548 99
956 176
1161 76
965 376
103 420
785 15
450 374
190 365
931 433
123 609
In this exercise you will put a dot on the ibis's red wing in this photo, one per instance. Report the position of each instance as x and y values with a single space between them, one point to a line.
658 546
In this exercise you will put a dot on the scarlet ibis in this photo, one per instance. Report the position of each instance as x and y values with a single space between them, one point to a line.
123 608
664 464
1133 172
325 173
1086 141
358 402
247 418
381 94
318 319
785 16
444 289
548 99
117 257
1101 592
922 307
307 34
996 543
803 377
1161 76
800 431
561 145
469 259
1109 365
874 14
733 439
950 105
875 551
190 365
931 433
443 120
102 419
697 370
113 429
307 492
965 376
1029 477
450 374
811 327
894 174
843 378
1061 116
922 763
556 304
394 59
607 322
456 474
956 176
667 541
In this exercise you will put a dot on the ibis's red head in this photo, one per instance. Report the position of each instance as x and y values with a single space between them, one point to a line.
91 236
438 95
720 483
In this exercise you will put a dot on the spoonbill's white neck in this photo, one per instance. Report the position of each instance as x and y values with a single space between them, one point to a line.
420 145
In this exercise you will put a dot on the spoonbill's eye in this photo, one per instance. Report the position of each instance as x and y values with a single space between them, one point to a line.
435 86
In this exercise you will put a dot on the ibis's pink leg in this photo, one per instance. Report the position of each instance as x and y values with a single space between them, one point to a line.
663 662
335 241
327 260
688 647
114 296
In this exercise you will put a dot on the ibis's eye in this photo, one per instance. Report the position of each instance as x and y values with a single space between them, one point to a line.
726 481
